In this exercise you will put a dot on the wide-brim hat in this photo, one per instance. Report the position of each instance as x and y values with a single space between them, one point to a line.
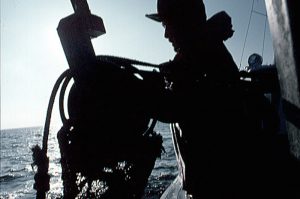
177 9
154 16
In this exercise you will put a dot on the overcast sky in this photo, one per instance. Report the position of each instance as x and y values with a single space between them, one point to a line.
32 57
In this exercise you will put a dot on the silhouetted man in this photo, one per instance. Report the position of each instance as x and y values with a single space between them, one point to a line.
219 154
202 80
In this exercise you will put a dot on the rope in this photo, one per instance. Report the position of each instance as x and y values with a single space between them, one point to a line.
263 47
265 16
264 37
246 34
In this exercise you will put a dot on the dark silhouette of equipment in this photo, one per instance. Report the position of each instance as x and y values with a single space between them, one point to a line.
107 149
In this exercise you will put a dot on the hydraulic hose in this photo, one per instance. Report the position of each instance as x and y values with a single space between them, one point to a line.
40 159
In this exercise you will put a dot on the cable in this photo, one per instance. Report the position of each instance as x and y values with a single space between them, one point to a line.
263 47
246 35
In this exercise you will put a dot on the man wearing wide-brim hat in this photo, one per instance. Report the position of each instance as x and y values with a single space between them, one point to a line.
201 78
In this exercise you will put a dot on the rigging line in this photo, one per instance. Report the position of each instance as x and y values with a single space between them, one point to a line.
246 34
259 13
263 46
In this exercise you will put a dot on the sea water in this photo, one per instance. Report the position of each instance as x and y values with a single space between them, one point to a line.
17 174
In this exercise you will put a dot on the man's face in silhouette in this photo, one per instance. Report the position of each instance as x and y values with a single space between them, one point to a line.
174 34
179 18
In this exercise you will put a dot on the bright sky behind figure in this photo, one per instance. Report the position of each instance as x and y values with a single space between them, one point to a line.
32 57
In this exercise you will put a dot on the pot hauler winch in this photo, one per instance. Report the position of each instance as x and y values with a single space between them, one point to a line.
107 149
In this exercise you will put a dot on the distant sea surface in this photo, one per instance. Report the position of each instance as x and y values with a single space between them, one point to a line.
17 175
